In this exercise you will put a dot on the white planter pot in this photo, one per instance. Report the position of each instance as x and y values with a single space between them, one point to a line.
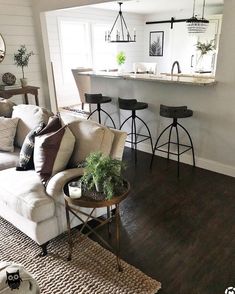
24 82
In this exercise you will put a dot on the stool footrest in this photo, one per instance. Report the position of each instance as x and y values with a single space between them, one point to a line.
173 153
138 135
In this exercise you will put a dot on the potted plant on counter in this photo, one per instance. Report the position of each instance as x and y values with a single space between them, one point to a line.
121 58
21 59
204 49
103 174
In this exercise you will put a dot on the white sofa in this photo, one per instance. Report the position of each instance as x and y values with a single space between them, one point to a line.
24 202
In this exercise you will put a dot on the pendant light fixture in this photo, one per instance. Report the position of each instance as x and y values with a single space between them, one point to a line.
197 25
122 33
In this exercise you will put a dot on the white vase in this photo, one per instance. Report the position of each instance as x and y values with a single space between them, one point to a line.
24 82
120 68
200 64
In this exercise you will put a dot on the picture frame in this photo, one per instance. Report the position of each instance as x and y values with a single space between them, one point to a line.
156 43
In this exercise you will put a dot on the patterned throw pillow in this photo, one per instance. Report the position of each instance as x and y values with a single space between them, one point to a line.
52 150
7 133
26 152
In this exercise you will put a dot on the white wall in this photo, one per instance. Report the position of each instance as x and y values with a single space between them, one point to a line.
17 27
178 44
67 93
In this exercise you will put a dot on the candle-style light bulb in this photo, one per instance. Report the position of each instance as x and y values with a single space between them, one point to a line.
134 34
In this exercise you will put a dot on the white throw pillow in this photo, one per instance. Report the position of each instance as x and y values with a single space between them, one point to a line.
29 116
7 133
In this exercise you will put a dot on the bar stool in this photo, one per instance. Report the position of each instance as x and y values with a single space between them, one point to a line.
98 99
175 113
133 105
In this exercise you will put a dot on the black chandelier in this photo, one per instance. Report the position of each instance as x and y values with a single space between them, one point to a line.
197 25
122 36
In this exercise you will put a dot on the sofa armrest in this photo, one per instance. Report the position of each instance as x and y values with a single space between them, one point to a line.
57 182
118 144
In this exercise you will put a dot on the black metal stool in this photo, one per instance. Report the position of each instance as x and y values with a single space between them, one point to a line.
133 105
175 113
98 99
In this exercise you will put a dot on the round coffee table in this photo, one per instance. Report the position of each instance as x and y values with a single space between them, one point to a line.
89 200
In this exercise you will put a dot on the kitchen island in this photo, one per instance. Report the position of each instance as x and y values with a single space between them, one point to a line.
196 92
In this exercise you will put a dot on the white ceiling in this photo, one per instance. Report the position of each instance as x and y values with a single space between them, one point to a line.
156 6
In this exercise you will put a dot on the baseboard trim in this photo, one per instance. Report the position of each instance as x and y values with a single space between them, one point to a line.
200 162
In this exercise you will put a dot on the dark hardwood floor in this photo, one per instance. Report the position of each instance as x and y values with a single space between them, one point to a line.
179 231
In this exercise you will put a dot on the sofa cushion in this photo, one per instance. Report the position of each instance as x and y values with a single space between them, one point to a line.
24 193
6 107
26 152
7 133
90 137
52 152
29 116
9 159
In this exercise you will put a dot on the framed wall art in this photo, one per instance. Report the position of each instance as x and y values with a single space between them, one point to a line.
156 43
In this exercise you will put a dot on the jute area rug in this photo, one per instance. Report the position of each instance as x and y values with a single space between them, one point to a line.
92 269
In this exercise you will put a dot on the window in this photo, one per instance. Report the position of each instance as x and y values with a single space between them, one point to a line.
75 46
104 54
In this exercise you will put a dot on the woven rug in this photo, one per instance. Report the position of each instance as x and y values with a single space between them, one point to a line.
92 269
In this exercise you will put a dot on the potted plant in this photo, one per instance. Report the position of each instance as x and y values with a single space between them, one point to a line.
103 174
21 59
120 58
203 48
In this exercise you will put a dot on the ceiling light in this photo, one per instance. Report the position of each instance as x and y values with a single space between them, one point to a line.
122 32
197 25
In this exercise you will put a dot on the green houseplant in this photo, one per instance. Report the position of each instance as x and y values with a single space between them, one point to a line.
103 174
21 58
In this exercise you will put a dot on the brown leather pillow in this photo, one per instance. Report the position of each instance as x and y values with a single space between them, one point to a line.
53 149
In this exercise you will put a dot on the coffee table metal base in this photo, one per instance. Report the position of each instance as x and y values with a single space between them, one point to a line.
115 214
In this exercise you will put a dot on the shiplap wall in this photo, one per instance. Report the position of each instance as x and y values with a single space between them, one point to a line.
67 93
17 28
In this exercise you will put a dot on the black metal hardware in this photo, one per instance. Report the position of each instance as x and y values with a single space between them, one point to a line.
192 56
171 21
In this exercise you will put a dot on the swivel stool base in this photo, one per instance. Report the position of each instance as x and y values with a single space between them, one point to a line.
133 105
175 113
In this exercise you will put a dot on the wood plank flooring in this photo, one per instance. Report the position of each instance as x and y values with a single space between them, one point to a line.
179 231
